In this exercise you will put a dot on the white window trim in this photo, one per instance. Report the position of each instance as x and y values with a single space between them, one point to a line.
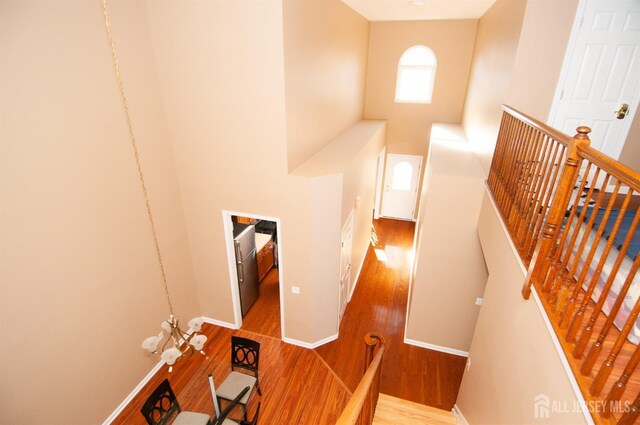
432 67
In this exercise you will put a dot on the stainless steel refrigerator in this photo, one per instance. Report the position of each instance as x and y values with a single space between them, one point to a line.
246 264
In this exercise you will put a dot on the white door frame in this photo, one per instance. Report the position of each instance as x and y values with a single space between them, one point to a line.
415 197
571 46
231 261
377 203
350 221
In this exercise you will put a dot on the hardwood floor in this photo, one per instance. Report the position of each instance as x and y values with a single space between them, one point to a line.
394 411
264 316
296 385
379 305
301 386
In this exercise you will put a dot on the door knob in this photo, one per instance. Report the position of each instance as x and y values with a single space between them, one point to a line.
622 111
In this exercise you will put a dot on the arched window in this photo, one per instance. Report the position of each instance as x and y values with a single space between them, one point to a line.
416 75
402 176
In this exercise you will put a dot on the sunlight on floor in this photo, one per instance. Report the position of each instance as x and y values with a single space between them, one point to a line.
394 256
380 255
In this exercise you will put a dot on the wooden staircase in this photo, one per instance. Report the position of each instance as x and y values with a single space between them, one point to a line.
393 411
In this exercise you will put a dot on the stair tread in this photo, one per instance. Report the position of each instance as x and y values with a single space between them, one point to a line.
392 411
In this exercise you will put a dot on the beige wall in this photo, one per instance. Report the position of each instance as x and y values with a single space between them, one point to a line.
205 83
325 61
542 45
441 290
630 154
226 122
342 176
493 60
409 124
517 60
513 358
80 285
359 195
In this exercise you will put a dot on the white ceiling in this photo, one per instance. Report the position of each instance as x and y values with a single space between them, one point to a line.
403 10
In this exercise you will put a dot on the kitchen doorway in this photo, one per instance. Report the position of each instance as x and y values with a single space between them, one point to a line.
255 271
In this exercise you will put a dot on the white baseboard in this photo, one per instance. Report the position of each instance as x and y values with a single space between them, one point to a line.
436 347
133 393
355 281
460 419
310 345
219 323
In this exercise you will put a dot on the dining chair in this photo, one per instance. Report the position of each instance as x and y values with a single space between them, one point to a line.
162 405
245 357
253 421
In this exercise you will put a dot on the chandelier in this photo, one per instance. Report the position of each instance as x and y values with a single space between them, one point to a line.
172 342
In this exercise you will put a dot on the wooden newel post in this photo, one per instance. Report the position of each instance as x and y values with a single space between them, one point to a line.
541 260
371 340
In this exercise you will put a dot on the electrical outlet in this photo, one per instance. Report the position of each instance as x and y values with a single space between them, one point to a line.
479 301
295 289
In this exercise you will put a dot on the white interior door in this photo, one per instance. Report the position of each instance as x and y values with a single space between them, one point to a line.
401 186
345 263
601 74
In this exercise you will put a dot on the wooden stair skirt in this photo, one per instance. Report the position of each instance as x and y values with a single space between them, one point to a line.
393 411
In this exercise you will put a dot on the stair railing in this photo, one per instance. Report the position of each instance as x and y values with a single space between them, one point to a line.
565 205
362 405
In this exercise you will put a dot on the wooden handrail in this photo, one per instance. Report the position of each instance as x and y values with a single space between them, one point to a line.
569 201
362 405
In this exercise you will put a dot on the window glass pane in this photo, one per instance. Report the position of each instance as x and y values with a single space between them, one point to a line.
418 55
402 173
414 84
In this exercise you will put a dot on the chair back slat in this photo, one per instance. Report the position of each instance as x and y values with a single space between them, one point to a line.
245 354
161 405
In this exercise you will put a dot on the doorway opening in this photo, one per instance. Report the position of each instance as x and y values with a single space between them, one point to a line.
401 186
255 271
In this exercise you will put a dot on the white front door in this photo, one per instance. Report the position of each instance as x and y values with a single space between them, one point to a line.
601 74
345 263
401 186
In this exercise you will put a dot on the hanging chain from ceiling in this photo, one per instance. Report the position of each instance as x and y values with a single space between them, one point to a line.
134 145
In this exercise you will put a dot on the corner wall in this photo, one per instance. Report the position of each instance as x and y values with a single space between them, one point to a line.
325 65
343 177
513 358
517 60
409 124
449 272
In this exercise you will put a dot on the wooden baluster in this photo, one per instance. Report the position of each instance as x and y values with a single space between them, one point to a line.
497 163
502 158
498 154
552 177
559 264
515 174
606 369
529 191
633 412
567 253
596 348
540 261
526 176
536 197
577 319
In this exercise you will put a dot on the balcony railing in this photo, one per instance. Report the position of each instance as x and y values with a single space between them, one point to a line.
573 214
